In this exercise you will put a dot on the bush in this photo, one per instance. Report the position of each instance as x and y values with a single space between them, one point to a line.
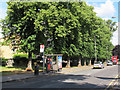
20 59
4 60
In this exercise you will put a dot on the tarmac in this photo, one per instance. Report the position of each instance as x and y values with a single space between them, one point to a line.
24 76
18 77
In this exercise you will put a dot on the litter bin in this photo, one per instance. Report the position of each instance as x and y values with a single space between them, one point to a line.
36 72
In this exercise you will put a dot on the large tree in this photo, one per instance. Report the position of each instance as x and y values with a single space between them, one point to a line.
20 22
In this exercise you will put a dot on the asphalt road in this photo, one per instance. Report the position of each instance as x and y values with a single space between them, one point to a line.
89 78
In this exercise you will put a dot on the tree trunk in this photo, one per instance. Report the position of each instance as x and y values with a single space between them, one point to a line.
90 63
84 62
79 62
68 63
30 61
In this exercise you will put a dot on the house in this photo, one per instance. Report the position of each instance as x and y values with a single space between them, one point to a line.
5 51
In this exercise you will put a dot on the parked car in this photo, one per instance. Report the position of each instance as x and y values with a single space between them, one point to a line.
98 65
109 63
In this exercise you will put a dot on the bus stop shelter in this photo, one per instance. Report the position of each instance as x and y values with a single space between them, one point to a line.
57 63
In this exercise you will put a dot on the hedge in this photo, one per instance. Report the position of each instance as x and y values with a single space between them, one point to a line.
21 59
4 60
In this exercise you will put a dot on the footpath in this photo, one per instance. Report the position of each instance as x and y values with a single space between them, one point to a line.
18 77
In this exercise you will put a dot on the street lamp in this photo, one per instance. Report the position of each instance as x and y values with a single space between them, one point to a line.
118 35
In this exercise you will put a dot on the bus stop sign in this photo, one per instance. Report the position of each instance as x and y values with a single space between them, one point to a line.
41 48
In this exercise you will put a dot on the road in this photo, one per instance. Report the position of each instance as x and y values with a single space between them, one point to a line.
89 78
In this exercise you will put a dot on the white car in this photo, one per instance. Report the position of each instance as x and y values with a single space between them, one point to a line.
98 65
109 63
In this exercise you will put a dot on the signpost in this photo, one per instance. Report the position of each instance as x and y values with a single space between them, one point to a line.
42 51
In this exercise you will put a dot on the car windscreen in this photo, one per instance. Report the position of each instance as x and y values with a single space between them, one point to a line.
114 61
97 62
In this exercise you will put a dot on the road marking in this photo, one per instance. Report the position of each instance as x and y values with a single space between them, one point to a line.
111 82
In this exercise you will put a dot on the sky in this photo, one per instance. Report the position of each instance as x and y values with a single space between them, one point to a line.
105 9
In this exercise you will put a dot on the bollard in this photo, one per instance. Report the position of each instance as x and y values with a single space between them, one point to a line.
36 72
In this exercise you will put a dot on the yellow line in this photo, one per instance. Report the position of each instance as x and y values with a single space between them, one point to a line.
111 83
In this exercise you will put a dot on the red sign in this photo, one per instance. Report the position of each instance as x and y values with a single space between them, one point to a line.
41 48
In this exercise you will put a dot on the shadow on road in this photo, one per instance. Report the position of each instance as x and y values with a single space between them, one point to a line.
55 81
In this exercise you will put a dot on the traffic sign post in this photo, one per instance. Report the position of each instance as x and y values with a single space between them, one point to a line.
42 51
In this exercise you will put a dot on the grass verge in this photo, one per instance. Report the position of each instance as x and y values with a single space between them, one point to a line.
5 71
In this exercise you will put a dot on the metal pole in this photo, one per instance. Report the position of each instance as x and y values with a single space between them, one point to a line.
57 61
107 53
43 62
95 49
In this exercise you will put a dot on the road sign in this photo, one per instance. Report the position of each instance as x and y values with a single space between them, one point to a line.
41 48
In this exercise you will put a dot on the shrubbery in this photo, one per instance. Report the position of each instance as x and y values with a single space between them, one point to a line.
21 59
4 60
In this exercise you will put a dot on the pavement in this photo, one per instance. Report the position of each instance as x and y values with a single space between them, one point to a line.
18 77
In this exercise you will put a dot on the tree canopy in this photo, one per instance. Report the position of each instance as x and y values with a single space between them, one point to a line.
69 28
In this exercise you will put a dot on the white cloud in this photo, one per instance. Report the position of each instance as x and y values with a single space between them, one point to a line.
106 18
105 10
94 4
99 0
114 39
2 13
88 4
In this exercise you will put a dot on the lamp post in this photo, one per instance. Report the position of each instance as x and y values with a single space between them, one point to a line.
118 35
95 48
